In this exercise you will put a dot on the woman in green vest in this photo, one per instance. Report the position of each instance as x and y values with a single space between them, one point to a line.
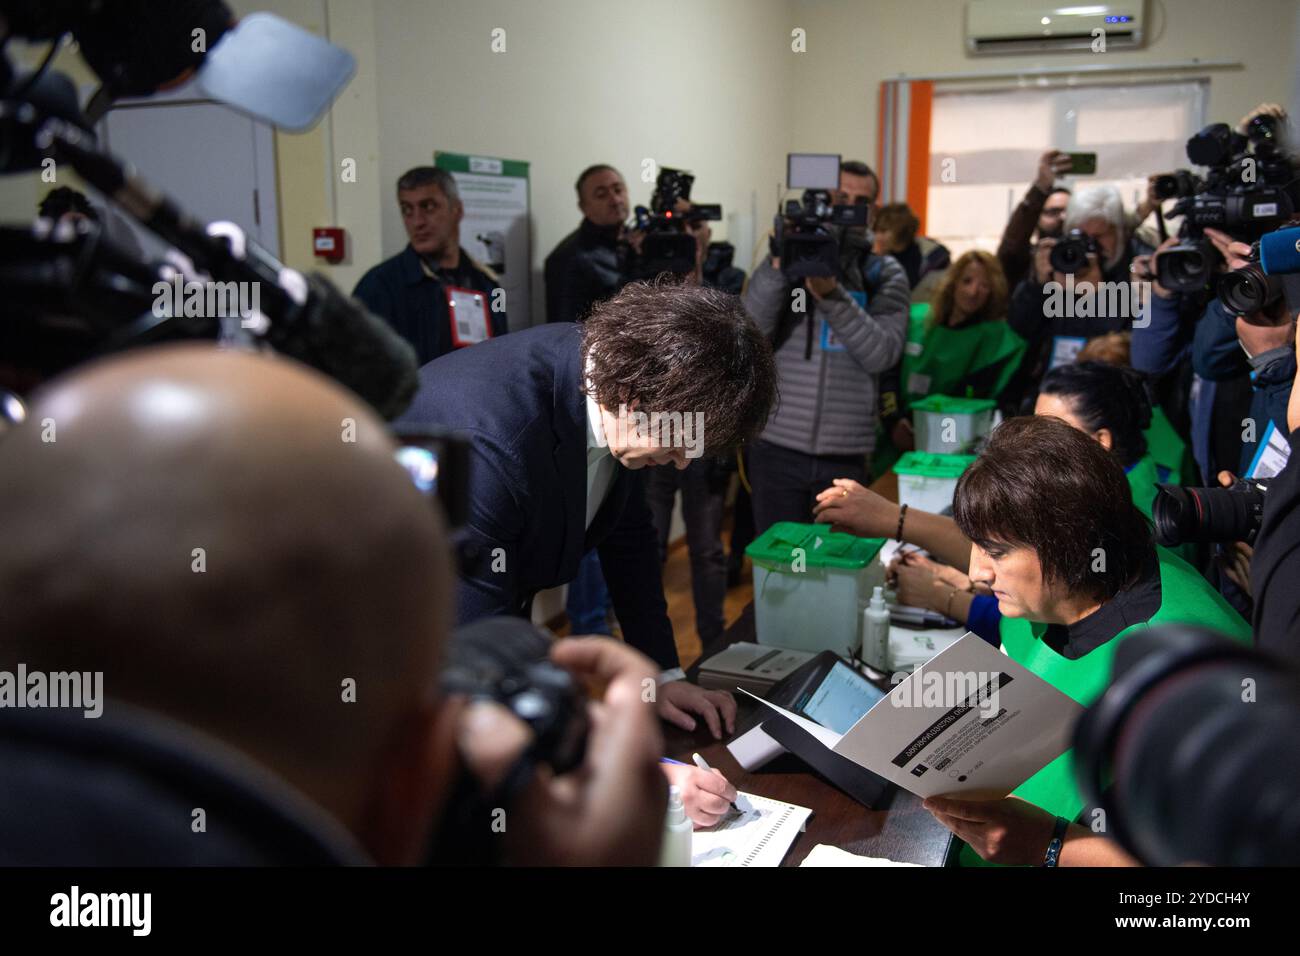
1052 533
1110 404
1166 446
967 349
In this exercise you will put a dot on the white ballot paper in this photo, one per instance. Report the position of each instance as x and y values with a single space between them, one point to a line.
969 721
760 835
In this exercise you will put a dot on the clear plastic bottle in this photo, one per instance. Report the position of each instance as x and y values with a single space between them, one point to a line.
676 848
875 632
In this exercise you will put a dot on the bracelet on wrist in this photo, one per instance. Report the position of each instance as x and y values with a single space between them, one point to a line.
1053 854
902 515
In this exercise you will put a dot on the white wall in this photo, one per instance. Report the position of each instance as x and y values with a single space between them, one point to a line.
697 84
853 46
709 85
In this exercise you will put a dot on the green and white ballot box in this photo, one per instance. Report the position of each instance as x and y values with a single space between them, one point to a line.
927 482
947 425
810 586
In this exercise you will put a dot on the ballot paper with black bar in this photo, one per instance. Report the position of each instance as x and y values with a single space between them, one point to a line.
969 721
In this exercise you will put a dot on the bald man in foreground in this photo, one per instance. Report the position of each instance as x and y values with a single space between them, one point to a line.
195 524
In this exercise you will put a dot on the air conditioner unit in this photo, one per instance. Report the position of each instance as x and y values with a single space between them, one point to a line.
1036 26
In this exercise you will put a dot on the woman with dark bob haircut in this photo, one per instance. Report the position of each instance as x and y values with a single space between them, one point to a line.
1044 521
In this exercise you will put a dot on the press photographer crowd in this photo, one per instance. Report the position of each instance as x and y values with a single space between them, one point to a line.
269 574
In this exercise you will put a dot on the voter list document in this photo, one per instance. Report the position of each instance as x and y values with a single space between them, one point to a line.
969 721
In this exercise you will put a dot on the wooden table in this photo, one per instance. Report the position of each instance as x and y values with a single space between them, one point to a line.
904 832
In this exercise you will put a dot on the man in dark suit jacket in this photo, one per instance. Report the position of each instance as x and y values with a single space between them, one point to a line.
562 417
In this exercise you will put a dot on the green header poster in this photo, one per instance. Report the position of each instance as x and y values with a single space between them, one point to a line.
495 228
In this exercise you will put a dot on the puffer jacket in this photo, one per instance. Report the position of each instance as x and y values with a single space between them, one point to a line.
828 399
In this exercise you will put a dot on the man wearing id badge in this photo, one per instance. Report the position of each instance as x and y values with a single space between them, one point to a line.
432 293
833 336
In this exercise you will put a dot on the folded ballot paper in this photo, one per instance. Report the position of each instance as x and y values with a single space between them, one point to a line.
969 721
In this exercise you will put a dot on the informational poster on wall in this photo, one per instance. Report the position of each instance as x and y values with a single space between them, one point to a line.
495 228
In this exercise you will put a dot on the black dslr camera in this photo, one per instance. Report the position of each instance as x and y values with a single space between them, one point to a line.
1070 255
505 660
1246 192
1209 515
808 235
666 246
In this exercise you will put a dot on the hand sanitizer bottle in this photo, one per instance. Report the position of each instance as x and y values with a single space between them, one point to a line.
676 848
875 632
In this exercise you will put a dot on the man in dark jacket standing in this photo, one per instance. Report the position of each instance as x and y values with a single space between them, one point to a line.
584 268
432 293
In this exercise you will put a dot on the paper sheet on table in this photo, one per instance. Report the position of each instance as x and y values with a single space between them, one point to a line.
823 854
969 721
760 837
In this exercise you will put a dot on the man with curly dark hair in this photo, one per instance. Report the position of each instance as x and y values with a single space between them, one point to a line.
562 419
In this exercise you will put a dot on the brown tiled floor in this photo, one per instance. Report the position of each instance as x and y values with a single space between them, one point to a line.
681 607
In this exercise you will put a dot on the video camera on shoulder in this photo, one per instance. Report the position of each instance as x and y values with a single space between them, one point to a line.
667 246
1246 192
809 230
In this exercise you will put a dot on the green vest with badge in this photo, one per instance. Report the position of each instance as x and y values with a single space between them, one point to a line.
1185 597
975 360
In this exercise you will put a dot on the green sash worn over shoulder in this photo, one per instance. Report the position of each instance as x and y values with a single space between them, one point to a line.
1185 597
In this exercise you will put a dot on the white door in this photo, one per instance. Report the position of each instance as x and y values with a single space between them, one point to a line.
216 164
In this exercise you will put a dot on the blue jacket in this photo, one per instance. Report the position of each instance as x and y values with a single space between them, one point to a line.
519 401
415 305
1217 355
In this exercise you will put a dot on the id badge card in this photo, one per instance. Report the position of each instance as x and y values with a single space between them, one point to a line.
1065 349
469 316
829 343
1271 456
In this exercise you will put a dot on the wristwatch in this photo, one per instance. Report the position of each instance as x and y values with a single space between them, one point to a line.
1058 837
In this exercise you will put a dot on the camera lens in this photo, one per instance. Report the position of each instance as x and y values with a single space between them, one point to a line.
1069 255
1209 515
1184 268
1248 289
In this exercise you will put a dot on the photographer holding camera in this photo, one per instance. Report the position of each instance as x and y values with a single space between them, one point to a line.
585 266
1040 213
1097 247
243 670
834 335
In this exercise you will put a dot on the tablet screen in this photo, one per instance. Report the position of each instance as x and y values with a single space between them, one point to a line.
840 699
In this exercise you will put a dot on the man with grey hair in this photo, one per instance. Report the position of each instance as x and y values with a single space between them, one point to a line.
432 293
1055 329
